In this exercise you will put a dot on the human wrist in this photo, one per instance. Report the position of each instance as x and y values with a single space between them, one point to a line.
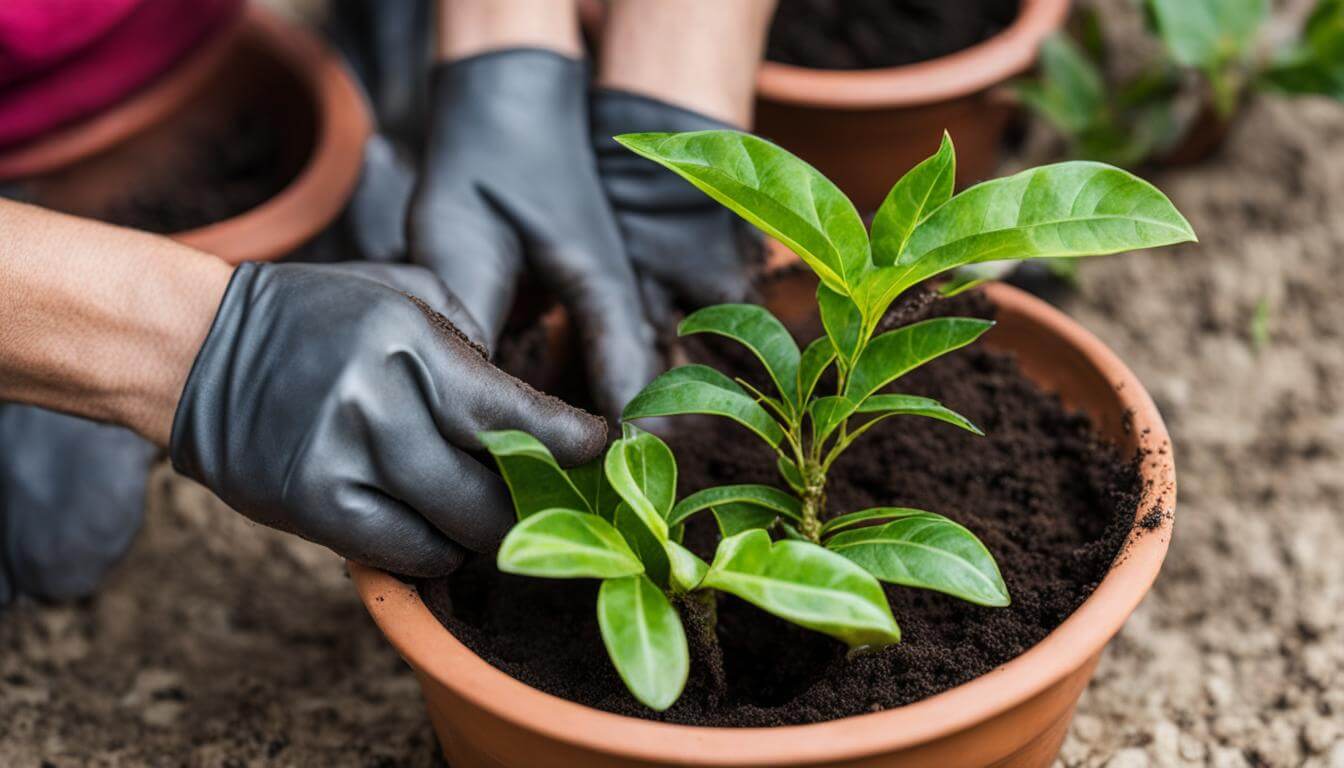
701 55
470 27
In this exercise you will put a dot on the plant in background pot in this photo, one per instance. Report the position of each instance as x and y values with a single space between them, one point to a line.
782 547
1178 109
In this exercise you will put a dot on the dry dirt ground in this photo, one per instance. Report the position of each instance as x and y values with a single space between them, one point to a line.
219 643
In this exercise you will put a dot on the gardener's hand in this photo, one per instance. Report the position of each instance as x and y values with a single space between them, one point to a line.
685 246
510 185
335 407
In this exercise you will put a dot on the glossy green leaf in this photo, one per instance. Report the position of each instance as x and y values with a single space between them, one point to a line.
804 584
774 190
961 282
921 190
827 413
913 405
765 496
876 514
701 389
591 482
815 360
895 353
789 471
843 322
759 331
535 480
733 519
651 549
688 570
566 544
641 469
1208 33
927 551
644 639
1068 210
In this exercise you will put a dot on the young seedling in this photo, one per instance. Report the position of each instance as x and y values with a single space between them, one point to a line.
619 521
1219 44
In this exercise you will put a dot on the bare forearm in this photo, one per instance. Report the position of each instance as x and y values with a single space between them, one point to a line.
100 321
697 54
469 27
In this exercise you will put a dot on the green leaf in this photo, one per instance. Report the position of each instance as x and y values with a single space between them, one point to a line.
701 389
566 544
640 467
843 322
1315 65
774 190
759 331
644 639
921 190
591 481
913 405
895 353
789 471
688 570
764 496
827 413
651 549
815 360
535 480
927 551
1208 33
1071 93
961 281
733 519
1069 209
805 584
875 514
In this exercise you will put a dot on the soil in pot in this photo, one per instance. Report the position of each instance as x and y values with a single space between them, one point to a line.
1049 500
870 34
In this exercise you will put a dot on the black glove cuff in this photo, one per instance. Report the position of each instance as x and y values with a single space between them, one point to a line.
195 446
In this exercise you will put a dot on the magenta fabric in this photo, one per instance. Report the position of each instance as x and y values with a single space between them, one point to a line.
63 60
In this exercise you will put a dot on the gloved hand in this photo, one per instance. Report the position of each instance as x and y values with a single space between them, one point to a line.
329 405
685 247
509 185
72 497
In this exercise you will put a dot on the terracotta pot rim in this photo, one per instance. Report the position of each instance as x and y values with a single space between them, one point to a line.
436 654
970 70
318 193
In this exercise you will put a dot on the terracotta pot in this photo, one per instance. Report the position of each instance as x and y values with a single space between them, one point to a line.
264 60
863 128
1016 715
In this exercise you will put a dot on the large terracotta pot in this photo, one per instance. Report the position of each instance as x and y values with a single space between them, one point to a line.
863 128
263 60
1015 716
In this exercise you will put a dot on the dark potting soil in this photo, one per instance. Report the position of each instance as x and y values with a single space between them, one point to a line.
235 167
867 34
1050 501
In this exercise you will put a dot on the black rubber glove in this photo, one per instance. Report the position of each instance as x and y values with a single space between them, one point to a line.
332 406
510 185
72 496
685 247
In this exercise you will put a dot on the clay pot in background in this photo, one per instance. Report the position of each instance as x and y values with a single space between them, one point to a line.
265 63
1016 715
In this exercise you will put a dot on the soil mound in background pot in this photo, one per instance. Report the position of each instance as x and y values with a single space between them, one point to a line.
1017 714
864 127
246 149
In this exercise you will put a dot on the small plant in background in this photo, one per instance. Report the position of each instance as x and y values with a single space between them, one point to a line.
1219 45
784 551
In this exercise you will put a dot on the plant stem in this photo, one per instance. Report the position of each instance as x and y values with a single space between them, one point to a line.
814 501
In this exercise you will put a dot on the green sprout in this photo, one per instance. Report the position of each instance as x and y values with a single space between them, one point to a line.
618 519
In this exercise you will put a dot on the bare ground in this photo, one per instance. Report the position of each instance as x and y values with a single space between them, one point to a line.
220 643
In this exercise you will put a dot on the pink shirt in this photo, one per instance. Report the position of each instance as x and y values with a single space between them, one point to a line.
62 60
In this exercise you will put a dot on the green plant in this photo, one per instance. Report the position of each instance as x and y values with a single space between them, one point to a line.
620 521
1217 44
